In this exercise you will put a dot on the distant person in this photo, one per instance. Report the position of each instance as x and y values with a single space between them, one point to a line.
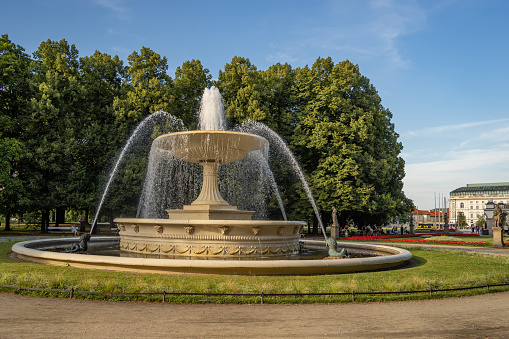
74 230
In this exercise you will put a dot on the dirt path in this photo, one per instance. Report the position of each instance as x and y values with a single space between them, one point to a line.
482 316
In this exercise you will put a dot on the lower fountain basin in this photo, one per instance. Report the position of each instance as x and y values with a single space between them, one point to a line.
38 251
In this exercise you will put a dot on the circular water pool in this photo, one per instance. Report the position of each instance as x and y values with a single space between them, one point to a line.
48 251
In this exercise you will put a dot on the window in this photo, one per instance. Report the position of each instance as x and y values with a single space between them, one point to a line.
462 205
476 207
471 207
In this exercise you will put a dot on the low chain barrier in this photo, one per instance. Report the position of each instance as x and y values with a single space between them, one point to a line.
262 295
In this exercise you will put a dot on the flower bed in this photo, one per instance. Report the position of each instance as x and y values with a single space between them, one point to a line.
408 239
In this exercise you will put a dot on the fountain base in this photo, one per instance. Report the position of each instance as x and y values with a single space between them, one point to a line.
210 238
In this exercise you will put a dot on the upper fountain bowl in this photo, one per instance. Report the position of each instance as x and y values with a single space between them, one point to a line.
211 146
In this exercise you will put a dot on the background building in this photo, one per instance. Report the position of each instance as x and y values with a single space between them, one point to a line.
472 199
435 217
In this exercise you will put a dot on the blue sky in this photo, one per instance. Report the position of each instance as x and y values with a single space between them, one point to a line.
439 66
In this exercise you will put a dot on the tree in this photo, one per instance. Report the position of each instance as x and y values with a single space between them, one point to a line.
14 94
462 220
190 81
347 143
52 133
102 77
148 89
481 221
240 86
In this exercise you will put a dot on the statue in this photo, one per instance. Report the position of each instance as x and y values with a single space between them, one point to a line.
333 253
498 216
335 222
82 246
335 230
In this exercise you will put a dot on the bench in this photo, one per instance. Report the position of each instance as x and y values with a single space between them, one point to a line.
61 229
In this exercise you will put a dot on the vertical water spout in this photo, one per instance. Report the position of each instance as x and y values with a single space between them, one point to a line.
211 115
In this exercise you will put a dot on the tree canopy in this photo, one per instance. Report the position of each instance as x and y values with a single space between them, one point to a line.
64 118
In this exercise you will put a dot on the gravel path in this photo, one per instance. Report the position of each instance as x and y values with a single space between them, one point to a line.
483 316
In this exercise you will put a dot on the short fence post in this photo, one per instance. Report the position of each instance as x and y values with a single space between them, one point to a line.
261 298
164 296
71 294
353 296
487 287
430 291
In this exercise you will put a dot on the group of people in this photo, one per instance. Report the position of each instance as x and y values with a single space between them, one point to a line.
375 230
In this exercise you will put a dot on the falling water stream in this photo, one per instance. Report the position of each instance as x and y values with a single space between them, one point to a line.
276 140
174 123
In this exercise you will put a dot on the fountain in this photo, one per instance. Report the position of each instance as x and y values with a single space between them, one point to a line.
209 228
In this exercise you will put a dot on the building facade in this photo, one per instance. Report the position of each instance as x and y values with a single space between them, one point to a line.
472 199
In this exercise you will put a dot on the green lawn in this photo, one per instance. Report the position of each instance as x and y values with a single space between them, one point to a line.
435 269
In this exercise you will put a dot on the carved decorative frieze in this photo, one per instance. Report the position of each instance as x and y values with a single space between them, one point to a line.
189 230
255 230
136 228
159 229
210 250
280 230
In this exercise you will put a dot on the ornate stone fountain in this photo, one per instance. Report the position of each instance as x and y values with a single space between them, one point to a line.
210 226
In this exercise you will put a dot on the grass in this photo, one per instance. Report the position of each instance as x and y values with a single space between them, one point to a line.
435 269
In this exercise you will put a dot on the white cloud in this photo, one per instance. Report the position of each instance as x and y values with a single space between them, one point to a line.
117 6
459 168
372 35
450 128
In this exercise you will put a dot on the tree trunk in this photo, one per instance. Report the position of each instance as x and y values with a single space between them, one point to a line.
8 221
59 216
315 225
45 221
84 222
110 219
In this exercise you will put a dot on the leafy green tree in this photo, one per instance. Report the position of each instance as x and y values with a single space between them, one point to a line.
242 91
462 220
347 143
190 81
148 89
15 92
481 221
52 131
280 98
102 77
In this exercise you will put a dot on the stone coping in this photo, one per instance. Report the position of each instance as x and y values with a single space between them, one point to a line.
27 250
